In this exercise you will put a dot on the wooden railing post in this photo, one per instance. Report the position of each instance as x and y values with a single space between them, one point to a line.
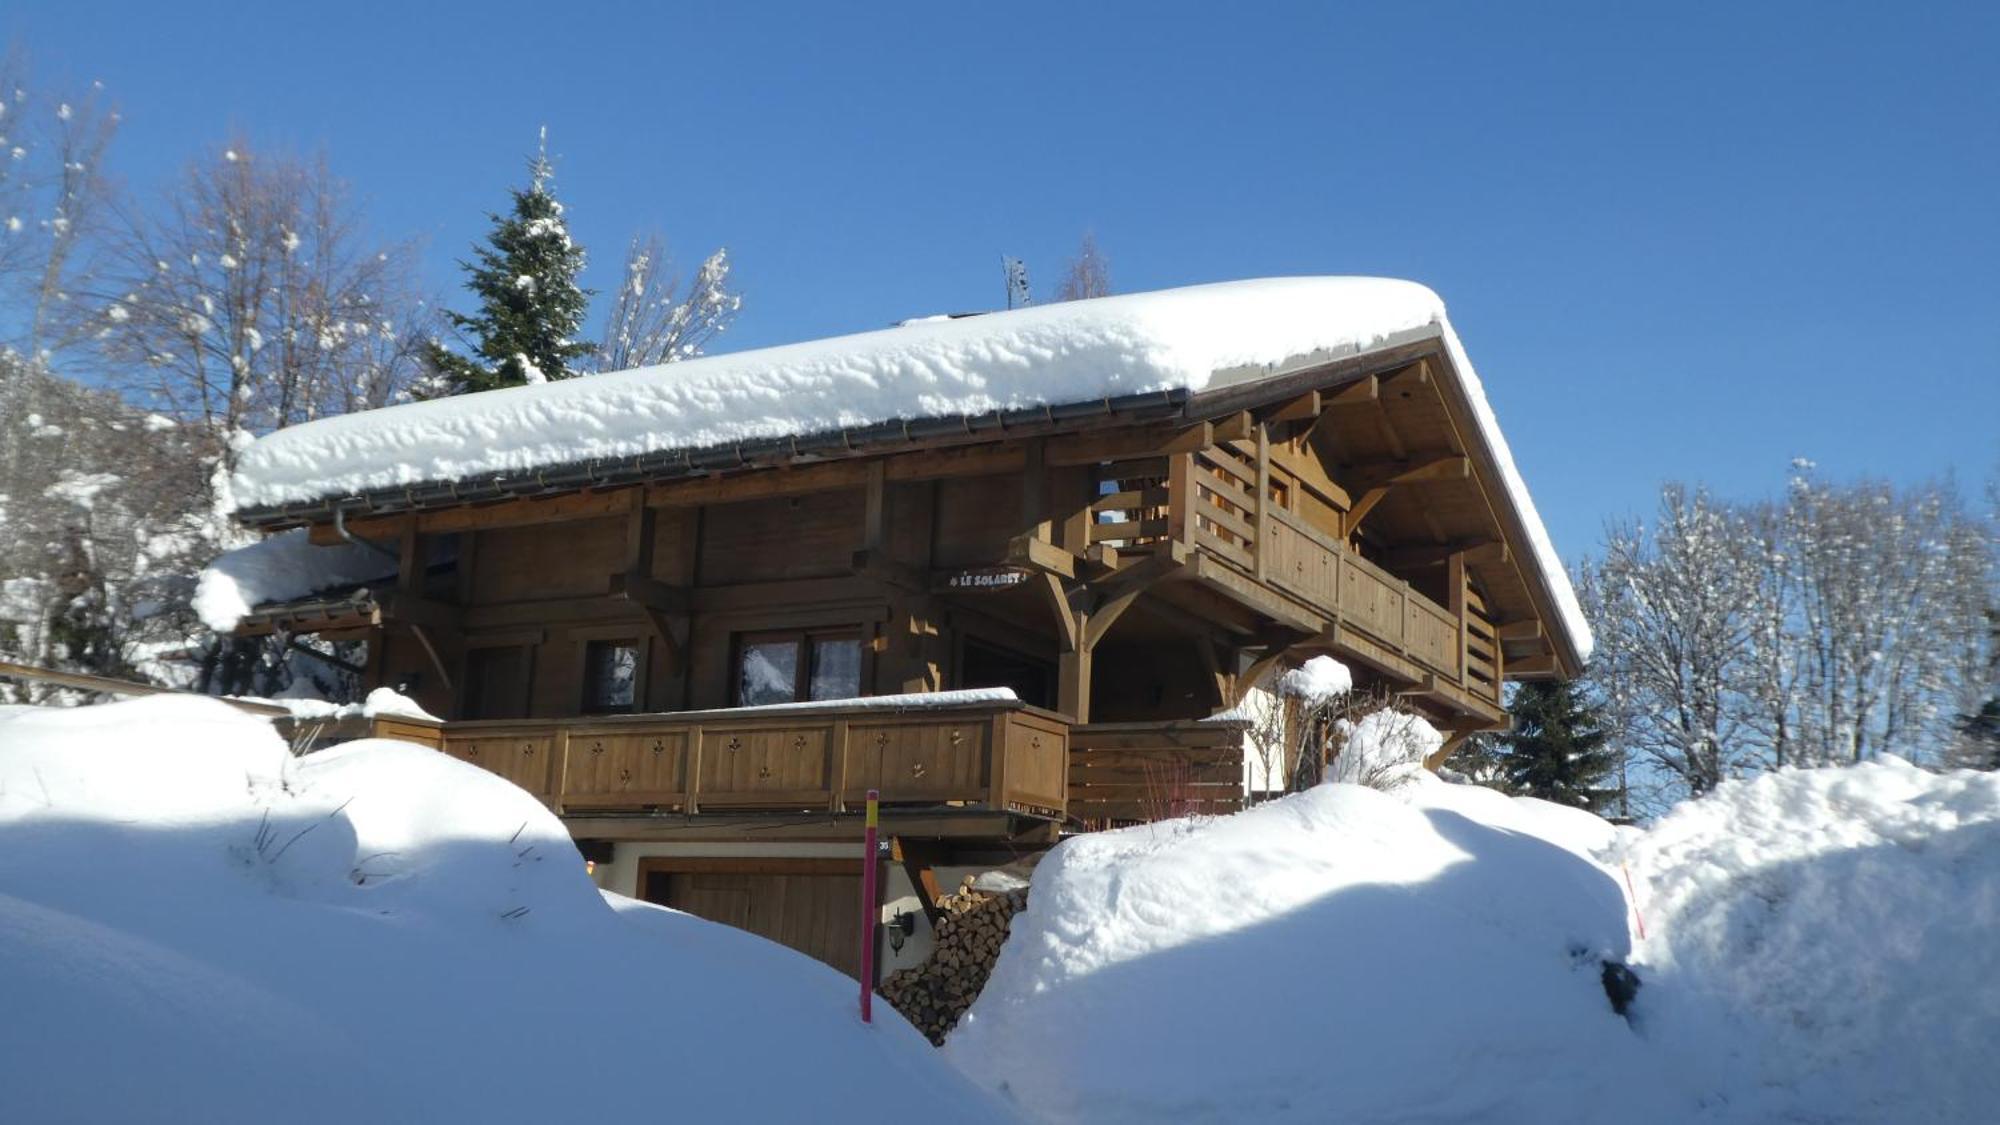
1180 498
1455 578
1259 517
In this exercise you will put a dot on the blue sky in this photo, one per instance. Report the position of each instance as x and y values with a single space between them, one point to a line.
1689 242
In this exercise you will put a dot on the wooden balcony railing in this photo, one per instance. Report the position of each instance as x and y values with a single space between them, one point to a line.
1212 500
995 755
1127 773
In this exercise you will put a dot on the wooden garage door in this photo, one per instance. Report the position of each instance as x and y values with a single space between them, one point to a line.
811 905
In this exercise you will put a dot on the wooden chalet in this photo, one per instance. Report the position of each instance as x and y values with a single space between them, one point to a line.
702 660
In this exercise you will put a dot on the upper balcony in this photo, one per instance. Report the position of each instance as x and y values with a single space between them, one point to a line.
1263 537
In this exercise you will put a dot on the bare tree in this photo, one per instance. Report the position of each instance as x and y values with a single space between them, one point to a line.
1841 623
1088 274
651 321
1893 588
1675 617
253 298
54 201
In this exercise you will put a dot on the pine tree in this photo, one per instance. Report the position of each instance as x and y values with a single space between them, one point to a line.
1558 749
1979 738
530 306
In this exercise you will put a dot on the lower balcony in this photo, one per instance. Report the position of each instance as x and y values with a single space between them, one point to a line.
958 750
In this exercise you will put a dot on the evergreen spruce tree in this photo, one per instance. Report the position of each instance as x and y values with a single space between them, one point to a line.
1558 748
1979 738
530 307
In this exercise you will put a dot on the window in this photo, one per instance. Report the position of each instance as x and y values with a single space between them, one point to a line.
789 667
610 677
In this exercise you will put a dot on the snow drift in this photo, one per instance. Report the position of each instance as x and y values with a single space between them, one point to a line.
196 926
1820 948
1343 954
1837 928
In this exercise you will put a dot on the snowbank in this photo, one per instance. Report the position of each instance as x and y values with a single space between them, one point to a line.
196 926
1819 948
1839 926
1195 338
1342 954
280 568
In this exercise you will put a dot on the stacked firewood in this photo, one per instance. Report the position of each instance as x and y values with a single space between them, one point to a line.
966 942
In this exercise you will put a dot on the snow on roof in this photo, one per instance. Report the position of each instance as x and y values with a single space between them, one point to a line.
1192 339
280 568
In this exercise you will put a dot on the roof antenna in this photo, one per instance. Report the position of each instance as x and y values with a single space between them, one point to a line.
1018 294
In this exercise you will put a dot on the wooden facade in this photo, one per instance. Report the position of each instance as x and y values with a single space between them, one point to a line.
1126 574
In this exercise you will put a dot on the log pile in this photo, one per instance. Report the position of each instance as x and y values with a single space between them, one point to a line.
967 941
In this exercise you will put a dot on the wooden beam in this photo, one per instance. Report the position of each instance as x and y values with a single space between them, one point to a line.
1117 593
423 635
402 608
1026 550
647 591
1430 554
1297 410
1392 474
505 513
1362 392
1488 554
1057 599
1527 629
1350 520
1442 467
1234 427
1540 665
670 640
1199 436
919 860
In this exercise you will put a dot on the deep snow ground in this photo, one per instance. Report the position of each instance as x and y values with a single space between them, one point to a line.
1820 949
196 926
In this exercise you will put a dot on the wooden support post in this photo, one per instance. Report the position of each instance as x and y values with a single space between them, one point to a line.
1075 488
639 528
1214 674
410 561
874 512
1073 688
919 862
1035 491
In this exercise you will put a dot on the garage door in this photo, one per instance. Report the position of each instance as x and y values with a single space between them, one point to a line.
811 905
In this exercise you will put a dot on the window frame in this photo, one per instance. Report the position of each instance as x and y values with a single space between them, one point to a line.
634 637
802 641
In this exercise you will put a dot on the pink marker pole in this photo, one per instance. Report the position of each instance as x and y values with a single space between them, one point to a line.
871 915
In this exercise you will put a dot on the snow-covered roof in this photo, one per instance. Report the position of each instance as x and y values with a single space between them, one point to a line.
1171 342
